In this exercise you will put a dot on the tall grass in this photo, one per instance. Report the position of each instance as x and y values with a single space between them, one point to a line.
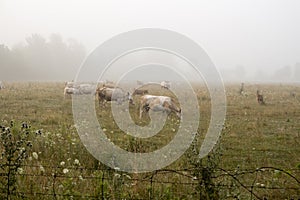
254 136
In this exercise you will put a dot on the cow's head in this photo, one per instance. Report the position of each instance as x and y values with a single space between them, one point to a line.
178 113
130 98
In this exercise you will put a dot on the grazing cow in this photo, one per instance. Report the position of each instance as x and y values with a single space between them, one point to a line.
70 84
113 94
158 103
109 85
77 88
165 84
71 90
140 92
86 88
260 98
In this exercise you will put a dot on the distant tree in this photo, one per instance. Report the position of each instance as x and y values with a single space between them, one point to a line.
5 59
39 59
66 57
36 42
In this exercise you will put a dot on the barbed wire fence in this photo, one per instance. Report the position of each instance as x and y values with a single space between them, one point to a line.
21 178
105 183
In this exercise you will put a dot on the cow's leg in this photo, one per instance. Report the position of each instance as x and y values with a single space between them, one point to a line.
141 111
144 108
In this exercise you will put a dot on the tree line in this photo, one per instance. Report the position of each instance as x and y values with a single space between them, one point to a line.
42 59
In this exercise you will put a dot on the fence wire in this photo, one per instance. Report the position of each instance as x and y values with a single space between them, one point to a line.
105 183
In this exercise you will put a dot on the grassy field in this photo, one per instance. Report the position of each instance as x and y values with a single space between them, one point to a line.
257 156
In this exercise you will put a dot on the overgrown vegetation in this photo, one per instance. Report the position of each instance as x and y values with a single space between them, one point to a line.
15 147
257 156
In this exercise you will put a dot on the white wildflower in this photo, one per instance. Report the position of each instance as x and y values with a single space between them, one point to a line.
80 177
76 162
20 170
35 155
62 163
126 175
104 129
117 175
42 169
65 171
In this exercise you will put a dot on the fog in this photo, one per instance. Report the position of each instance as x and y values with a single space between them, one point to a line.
246 40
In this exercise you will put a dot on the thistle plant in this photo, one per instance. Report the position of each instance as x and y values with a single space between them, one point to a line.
14 149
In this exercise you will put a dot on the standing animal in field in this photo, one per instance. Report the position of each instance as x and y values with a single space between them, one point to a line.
70 91
140 92
158 103
109 85
78 88
70 88
70 84
293 94
86 88
113 94
165 84
242 89
260 98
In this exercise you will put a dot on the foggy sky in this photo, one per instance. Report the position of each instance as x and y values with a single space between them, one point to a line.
258 35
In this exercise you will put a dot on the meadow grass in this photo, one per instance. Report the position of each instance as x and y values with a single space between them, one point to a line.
253 136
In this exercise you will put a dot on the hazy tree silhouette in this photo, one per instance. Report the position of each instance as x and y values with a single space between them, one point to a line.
41 59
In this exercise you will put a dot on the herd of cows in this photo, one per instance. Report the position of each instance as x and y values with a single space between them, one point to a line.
108 91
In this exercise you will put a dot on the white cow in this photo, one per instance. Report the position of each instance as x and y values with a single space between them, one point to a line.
71 90
158 103
113 94
78 88
86 88
165 84
70 84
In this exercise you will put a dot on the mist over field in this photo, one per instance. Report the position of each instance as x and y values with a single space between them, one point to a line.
247 41
41 59
59 59
123 99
